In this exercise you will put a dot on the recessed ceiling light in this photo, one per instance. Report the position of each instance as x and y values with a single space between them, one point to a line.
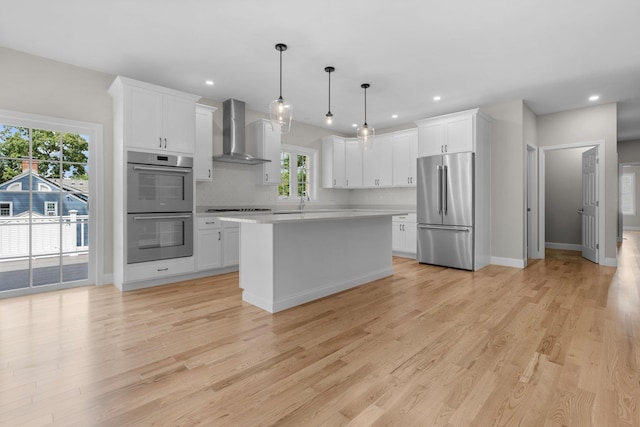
355 125
209 82
395 116
594 97
437 98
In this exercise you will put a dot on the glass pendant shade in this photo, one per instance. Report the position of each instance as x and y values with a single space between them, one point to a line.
281 114
365 133
280 111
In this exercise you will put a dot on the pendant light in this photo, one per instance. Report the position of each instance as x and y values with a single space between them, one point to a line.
329 115
366 133
280 111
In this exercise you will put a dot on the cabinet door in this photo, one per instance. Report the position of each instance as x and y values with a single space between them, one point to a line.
208 255
353 164
339 163
143 119
383 146
179 124
405 152
268 145
231 246
203 162
411 238
397 237
431 138
459 135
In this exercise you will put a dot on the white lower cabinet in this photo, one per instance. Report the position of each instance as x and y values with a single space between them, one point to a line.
218 244
230 244
142 271
209 237
404 235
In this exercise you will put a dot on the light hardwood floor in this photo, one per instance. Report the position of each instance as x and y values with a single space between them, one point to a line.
555 344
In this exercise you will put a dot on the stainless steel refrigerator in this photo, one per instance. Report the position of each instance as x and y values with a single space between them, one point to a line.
445 210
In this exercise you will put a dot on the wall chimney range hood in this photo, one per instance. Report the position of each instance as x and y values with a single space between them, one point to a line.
233 135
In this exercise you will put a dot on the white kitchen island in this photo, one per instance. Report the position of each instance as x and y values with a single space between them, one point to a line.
293 258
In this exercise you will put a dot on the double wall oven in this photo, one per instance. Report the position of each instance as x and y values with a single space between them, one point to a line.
159 207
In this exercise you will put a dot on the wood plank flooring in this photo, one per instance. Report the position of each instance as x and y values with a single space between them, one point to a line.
555 344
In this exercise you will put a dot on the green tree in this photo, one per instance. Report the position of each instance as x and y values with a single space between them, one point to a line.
48 147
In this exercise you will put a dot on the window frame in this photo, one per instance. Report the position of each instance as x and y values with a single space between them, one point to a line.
296 150
47 203
631 193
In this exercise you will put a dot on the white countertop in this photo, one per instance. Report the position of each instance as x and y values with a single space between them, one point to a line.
295 216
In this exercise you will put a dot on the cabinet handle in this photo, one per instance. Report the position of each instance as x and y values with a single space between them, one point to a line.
266 177
209 173
165 143
164 269
160 142
210 222
347 183
334 182
219 235
446 148
442 148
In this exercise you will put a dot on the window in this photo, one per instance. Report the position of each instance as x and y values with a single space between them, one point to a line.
6 209
16 186
51 208
628 193
297 172
43 187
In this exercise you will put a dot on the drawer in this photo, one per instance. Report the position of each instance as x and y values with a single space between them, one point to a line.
155 269
229 224
405 218
208 223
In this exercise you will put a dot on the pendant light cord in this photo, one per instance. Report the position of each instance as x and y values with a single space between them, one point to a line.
329 91
365 106
280 73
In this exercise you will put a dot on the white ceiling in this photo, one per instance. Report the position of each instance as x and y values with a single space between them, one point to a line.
553 54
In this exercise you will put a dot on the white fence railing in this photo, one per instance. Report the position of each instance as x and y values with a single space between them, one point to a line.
49 235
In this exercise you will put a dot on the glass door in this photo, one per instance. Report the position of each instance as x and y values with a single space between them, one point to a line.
44 208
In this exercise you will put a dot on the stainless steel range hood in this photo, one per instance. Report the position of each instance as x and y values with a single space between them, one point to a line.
233 135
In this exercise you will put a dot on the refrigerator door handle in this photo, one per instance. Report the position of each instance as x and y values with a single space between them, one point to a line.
445 227
445 192
439 189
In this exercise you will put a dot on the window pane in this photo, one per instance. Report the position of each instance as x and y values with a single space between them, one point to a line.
75 148
14 146
303 172
14 253
46 144
75 267
284 188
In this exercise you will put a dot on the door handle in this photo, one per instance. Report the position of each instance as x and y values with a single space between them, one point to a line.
580 211
439 189
446 189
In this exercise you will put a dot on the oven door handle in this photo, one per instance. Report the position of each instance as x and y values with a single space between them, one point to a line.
149 218
161 169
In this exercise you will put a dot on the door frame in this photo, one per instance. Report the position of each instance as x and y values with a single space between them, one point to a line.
601 191
532 245
96 188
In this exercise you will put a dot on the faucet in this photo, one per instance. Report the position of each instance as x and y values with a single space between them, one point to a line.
303 196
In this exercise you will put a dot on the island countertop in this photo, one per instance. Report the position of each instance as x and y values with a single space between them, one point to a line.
295 216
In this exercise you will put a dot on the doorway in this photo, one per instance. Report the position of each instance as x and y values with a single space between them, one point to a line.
532 203
599 186
48 182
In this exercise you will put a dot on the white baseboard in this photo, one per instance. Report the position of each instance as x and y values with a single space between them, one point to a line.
307 296
508 262
563 246
610 262
411 255
630 228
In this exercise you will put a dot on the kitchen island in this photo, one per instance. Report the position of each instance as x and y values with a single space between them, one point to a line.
288 259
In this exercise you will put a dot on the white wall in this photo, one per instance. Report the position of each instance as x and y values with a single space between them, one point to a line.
584 125
508 206
36 85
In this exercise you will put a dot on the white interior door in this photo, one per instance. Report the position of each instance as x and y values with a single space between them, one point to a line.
589 208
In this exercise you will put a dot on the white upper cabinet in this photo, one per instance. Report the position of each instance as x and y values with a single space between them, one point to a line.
405 152
377 164
333 162
203 161
156 118
452 133
268 146
353 164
